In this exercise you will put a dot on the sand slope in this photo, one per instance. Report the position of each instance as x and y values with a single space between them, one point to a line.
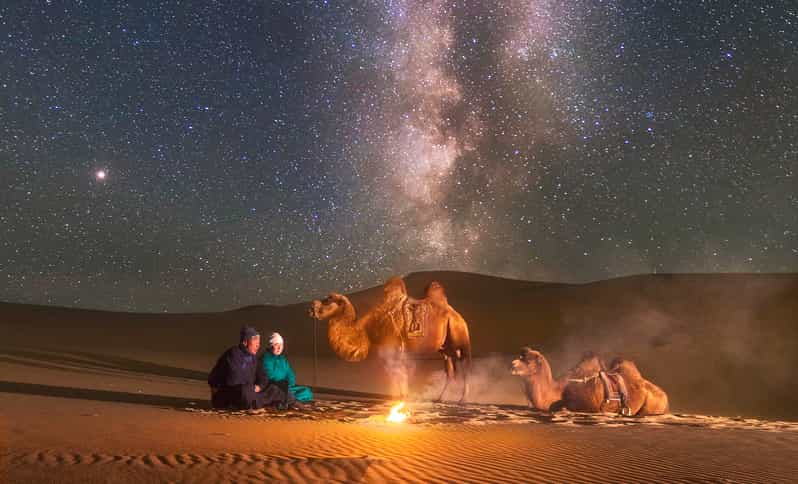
718 343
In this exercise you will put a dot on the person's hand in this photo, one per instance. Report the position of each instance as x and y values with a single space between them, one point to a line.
257 388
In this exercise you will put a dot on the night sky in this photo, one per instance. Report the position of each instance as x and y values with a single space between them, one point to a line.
194 155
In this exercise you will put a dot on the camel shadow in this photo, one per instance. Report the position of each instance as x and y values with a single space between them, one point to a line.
86 362
98 364
100 395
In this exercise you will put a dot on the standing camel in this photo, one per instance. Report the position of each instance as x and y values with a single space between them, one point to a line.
400 325
588 388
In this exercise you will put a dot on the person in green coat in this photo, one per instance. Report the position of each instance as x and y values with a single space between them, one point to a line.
277 368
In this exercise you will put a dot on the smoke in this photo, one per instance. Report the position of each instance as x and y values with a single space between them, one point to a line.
398 367
489 381
702 340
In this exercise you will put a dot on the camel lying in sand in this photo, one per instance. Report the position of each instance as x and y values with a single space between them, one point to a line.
588 387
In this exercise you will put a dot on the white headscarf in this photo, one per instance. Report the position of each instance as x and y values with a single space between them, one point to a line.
275 338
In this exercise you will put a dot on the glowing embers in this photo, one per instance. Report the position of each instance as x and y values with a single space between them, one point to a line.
398 413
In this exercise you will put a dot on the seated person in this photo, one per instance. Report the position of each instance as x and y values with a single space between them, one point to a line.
237 381
279 370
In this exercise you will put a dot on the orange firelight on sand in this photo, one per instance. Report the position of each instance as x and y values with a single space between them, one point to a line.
398 414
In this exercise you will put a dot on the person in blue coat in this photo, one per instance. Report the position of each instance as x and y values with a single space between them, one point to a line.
238 381
279 371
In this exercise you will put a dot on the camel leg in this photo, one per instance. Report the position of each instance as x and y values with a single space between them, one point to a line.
464 367
403 377
464 395
399 380
449 368
403 387
395 366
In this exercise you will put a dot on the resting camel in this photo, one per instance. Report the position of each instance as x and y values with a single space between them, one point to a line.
588 387
400 325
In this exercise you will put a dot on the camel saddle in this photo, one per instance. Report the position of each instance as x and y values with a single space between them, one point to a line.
416 315
615 391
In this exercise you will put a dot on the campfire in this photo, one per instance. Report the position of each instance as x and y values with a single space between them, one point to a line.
398 413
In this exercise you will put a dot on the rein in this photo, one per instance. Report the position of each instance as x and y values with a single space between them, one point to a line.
583 379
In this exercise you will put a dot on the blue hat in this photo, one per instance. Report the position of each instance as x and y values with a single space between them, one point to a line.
247 332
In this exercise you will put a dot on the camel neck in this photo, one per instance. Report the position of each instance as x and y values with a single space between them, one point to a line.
546 390
347 314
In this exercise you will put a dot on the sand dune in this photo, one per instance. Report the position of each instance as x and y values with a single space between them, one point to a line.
718 343
92 396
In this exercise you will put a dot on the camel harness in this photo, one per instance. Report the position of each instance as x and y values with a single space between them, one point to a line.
416 317
412 318
614 389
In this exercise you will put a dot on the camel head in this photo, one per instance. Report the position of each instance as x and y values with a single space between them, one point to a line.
529 362
347 337
327 308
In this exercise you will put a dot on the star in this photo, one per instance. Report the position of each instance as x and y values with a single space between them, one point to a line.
285 152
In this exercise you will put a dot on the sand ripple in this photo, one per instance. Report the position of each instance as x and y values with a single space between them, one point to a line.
240 467
441 443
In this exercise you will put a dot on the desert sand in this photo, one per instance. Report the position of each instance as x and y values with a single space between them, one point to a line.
92 396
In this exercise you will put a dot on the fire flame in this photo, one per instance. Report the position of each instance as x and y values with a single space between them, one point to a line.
398 415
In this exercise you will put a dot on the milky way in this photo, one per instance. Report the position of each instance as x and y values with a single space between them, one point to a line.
268 152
